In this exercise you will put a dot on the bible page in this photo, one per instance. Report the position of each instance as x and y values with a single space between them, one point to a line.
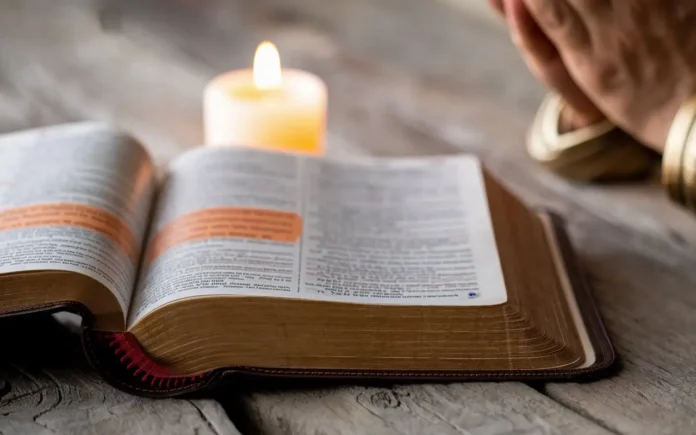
227 222
244 222
399 231
76 198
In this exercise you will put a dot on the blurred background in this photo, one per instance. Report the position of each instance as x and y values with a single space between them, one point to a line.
399 72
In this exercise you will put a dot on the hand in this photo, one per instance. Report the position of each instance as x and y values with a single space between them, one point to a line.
635 59
544 61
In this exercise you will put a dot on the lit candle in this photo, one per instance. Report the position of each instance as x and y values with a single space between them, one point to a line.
266 107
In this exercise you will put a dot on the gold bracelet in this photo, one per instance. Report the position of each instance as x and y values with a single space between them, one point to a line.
594 153
678 172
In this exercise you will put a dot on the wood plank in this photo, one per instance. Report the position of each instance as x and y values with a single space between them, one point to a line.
46 387
477 408
418 79
62 60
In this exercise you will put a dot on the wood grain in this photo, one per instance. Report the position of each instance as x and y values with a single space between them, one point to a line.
406 77
47 388
437 409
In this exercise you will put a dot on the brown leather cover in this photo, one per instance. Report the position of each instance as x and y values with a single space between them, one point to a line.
123 364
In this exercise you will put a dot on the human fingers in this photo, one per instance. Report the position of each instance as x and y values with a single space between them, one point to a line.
561 23
546 64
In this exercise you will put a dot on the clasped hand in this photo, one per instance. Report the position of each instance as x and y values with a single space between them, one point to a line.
631 61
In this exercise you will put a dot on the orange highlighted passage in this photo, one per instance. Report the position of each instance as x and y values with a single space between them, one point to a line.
241 222
74 215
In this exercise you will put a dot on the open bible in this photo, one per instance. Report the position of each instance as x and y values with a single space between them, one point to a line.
240 261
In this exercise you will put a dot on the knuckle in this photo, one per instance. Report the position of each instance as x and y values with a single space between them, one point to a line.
560 21
557 17
607 77
553 14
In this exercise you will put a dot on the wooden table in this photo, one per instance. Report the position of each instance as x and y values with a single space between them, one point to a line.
406 77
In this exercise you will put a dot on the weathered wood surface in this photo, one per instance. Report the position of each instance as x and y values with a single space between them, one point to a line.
426 409
406 77
46 388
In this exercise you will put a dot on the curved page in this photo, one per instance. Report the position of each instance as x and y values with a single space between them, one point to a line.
243 222
75 198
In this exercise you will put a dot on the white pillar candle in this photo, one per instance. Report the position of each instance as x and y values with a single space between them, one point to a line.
266 107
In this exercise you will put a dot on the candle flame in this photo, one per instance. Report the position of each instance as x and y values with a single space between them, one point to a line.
267 73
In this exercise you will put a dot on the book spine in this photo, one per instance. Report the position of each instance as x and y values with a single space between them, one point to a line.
125 365
119 358
140 365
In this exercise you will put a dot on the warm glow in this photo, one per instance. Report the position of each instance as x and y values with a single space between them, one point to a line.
267 73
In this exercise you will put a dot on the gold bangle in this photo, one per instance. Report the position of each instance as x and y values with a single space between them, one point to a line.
688 170
597 152
678 172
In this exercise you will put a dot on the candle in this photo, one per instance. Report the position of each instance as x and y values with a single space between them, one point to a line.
266 107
